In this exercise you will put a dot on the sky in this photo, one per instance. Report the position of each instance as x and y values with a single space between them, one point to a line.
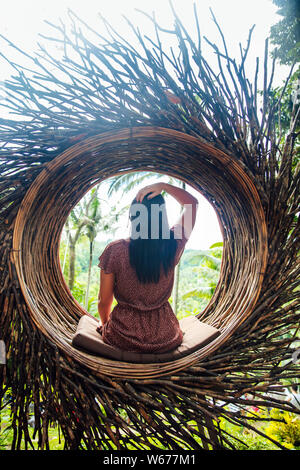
205 233
22 22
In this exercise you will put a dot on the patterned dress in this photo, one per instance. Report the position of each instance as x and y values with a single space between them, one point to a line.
143 319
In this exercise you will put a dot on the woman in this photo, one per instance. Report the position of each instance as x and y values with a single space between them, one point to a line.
139 273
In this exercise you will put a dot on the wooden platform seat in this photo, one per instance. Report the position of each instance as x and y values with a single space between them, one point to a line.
196 335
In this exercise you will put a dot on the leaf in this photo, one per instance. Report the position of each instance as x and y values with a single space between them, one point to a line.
205 258
216 245
200 292
127 181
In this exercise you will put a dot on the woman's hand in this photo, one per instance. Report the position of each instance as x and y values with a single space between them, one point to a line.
100 327
154 190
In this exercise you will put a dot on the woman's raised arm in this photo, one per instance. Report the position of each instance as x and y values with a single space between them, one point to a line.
190 204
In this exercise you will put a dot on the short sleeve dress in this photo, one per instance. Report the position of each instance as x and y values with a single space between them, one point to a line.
143 319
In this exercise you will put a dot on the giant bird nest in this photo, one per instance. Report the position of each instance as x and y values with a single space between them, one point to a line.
105 109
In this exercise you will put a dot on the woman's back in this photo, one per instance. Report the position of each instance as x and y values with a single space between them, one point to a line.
128 290
139 273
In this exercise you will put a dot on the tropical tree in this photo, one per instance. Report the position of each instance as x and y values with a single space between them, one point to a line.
285 34
75 223
128 181
87 219
91 231
208 268
175 292
99 222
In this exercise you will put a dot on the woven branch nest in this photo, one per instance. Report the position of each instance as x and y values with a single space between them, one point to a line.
69 176
146 109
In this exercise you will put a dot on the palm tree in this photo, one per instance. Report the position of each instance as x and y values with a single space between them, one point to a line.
175 293
94 216
97 222
209 264
75 223
129 181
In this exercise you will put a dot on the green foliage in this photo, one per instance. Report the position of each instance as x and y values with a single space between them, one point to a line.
199 274
286 33
94 215
288 432
285 98
283 427
216 245
206 266
129 181
286 36
5 430
56 440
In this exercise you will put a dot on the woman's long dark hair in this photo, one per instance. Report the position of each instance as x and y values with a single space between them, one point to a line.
149 252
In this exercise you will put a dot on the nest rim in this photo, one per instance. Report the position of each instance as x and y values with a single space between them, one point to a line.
25 241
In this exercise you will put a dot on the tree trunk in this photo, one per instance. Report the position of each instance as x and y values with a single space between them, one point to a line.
176 278
72 254
71 264
65 253
176 288
89 274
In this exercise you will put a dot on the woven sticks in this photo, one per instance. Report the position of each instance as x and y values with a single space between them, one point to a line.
65 180
104 108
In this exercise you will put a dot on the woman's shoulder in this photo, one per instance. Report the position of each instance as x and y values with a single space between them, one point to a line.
115 244
111 255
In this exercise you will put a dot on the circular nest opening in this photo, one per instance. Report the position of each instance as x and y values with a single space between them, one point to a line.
65 180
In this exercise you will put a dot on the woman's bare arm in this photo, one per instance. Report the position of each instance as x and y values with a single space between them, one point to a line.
190 204
106 296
